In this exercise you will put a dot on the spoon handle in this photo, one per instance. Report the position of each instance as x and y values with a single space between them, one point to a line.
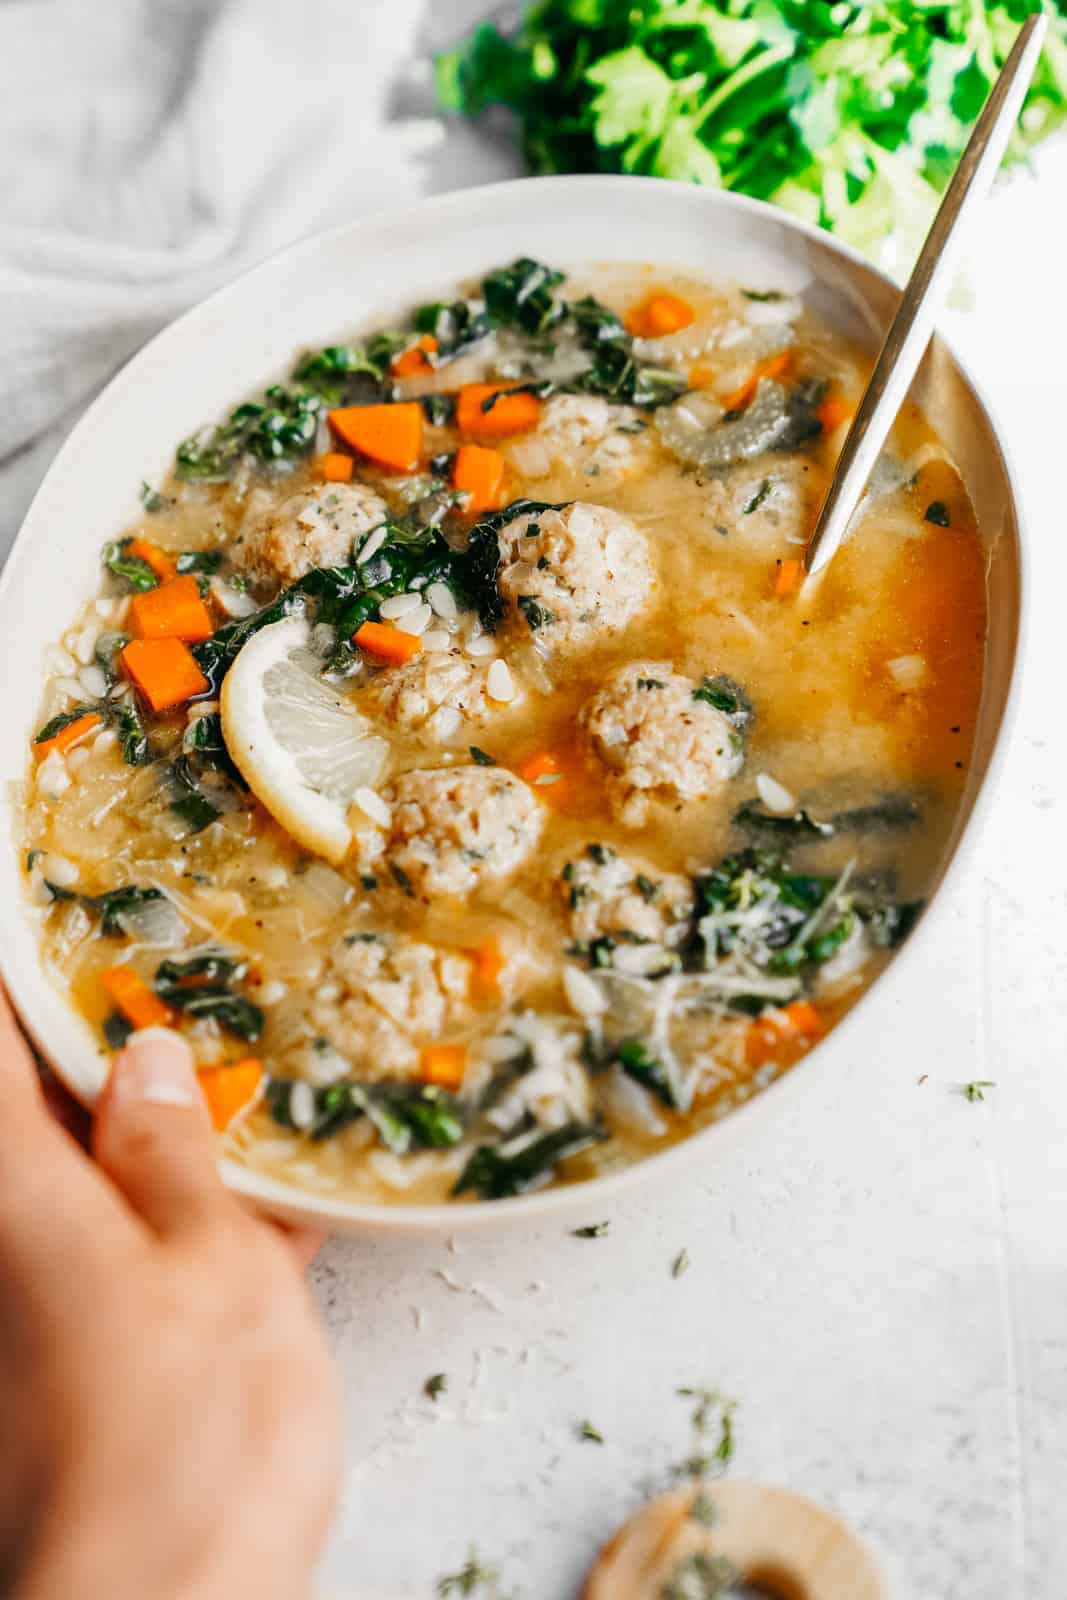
913 326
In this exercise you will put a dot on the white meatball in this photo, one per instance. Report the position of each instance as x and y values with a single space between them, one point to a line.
315 528
586 434
609 896
455 829
436 693
657 739
570 576
395 996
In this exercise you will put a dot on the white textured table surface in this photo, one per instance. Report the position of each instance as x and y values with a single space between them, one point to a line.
878 1276
879 1280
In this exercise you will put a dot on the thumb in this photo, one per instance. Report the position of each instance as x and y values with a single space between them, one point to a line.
153 1136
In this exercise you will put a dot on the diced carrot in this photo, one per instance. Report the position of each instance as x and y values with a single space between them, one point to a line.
164 670
701 377
833 412
173 611
391 435
388 644
138 1003
539 767
67 737
335 467
161 563
487 965
229 1089
414 359
805 1018
659 315
788 578
775 367
769 1034
513 413
479 472
444 1065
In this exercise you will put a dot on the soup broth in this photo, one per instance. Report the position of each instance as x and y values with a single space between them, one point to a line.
454 751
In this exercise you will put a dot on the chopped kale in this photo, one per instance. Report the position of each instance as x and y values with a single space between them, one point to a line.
152 500
638 1062
213 966
521 296
535 613
758 498
476 569
133 741
456 325
342 374
405 1116
799 825
65 719
199 988
205 562
439 410
278 431
482 758
728 697
189 803
116 1030
135 572
516 1165
204 744
937 513
114 907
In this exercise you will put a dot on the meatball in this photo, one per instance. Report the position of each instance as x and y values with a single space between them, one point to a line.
315 528
615 900
568 576
436 692
658 739
454 829
584 434
382 998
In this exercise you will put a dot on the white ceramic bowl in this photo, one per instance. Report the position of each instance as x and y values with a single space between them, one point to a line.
248 333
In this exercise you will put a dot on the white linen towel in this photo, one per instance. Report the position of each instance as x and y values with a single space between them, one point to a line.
152 149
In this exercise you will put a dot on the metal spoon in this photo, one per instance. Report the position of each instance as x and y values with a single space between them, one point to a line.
913 326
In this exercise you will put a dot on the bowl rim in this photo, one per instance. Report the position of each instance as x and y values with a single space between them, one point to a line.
287 1200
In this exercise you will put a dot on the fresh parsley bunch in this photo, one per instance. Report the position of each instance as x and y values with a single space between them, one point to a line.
849 114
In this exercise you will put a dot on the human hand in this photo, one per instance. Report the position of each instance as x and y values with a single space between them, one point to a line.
171 1412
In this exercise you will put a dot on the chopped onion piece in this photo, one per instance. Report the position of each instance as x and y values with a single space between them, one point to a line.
585 995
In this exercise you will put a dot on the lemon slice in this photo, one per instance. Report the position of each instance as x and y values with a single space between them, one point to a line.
301 748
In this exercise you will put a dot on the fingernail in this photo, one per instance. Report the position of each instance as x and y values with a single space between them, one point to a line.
156 1065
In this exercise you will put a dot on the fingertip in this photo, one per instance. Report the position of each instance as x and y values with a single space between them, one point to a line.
155 1066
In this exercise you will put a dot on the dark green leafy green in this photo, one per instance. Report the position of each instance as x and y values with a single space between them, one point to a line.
476 569
406 1116
514 1166
135 572
200 987
728 697
521 296
190 804
202 562
114 907
342 375
278 431
133 741
65 719
116 1030
638 1062
937 513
